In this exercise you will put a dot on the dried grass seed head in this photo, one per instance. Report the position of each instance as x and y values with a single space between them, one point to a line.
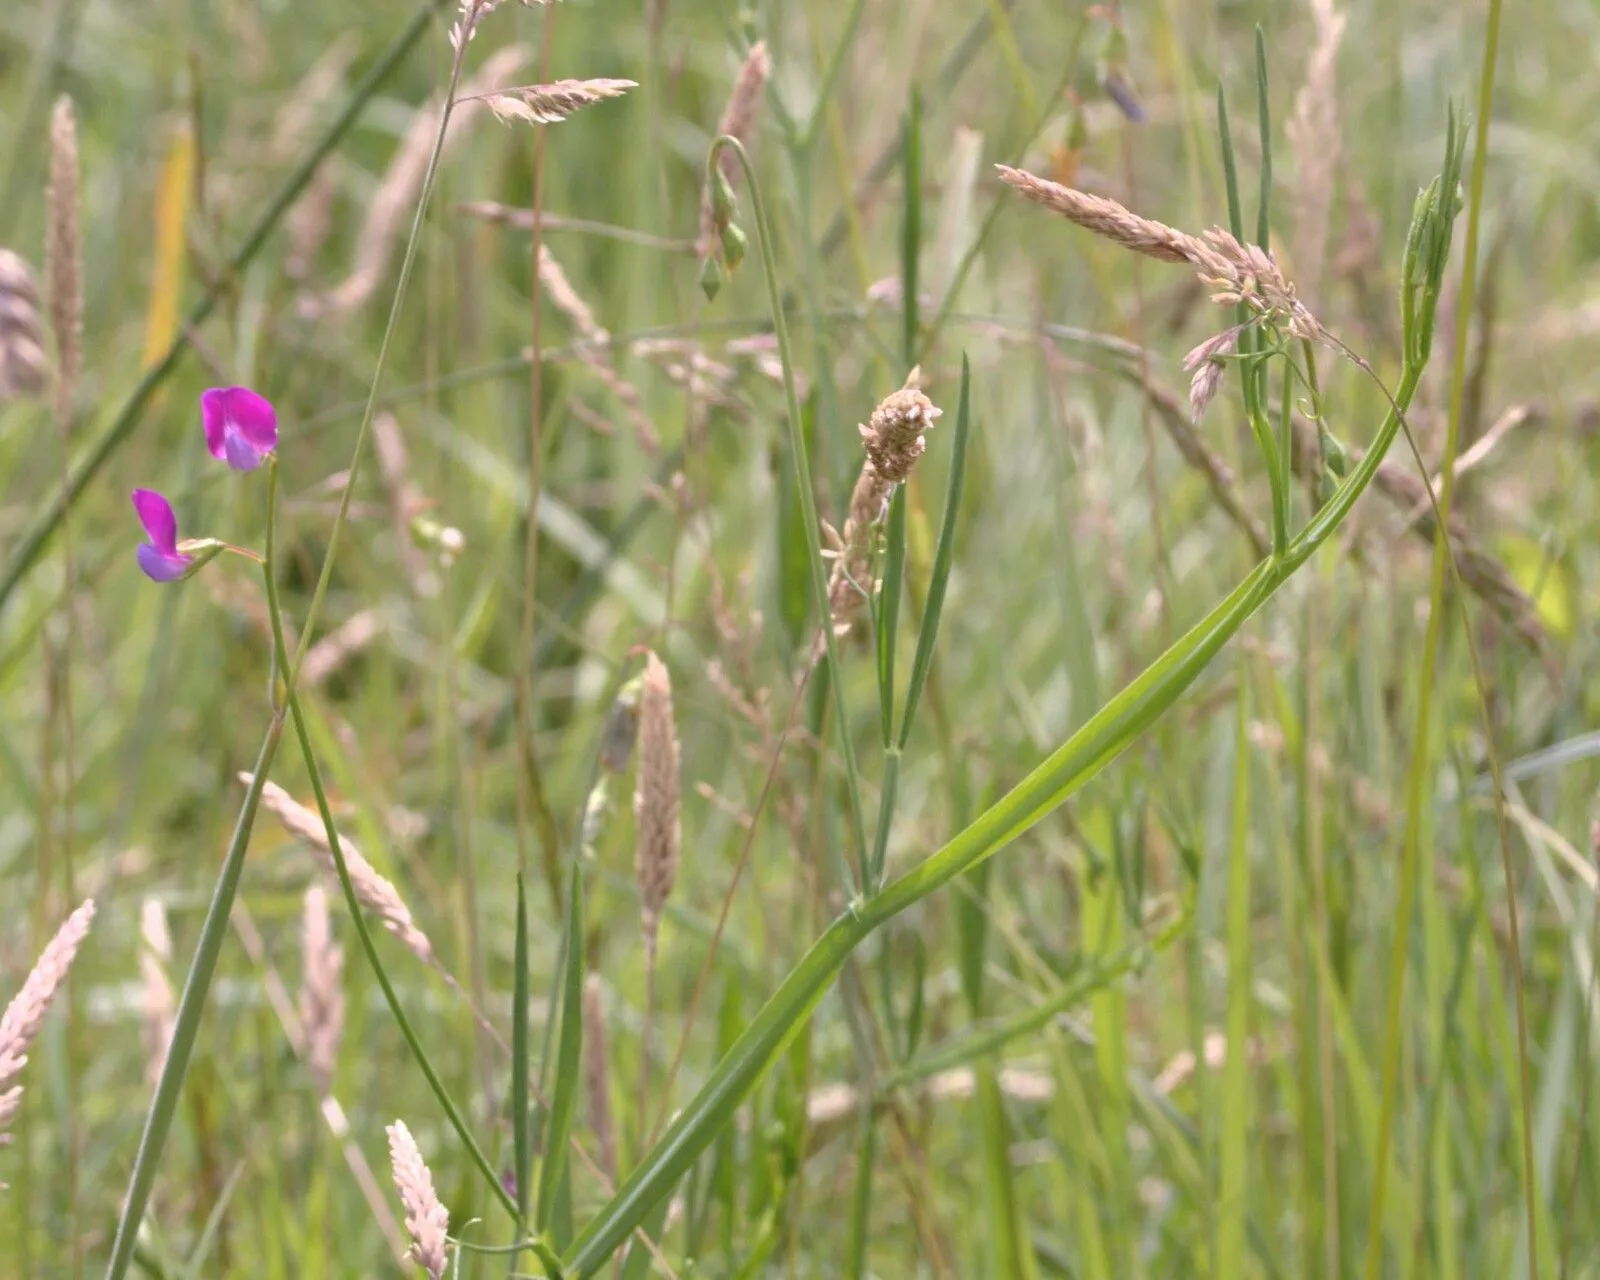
20 1023
372 890
23 366
427 1221
894 435
597 1074
1206 363
554 102
656 798
321 990
1239 273
63 257
740 116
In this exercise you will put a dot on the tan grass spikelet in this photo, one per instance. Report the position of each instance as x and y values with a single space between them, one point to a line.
554 102
63 256
375 893
656 799
158 1002
894 438
1239 273
321 989
23 365
20 1023
427 1221
1206 363
597 1075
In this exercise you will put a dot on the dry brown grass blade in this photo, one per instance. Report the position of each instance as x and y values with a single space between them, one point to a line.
656 799
374 892
63 257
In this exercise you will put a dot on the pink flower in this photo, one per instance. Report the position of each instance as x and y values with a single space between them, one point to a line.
159 557
241 426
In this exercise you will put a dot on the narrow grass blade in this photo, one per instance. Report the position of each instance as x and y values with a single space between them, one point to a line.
569 1068
888 610
1230 169
794 552
1008 1234
1235 1108
944 554
1264 118
855 1264
911 225
521 1115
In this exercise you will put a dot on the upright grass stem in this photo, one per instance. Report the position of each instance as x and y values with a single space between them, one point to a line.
1419 771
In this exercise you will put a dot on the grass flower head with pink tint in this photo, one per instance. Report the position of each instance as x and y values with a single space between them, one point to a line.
241 426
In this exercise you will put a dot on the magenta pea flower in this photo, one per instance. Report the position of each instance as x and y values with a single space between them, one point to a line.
159 557
241 426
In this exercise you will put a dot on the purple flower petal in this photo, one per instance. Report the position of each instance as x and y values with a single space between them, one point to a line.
155 514
162 566
239 452
241 427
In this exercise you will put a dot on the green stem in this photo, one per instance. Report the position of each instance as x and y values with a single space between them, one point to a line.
158 1123
808 500
32 541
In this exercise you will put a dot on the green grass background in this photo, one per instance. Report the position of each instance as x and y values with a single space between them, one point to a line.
1263 815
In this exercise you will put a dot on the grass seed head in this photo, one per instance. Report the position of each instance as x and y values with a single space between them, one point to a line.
25 1014
656 798
63 257
427 1221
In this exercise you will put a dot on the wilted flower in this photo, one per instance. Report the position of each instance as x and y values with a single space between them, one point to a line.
241 426
159 557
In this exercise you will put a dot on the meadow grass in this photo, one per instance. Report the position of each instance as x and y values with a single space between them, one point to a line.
1099 829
